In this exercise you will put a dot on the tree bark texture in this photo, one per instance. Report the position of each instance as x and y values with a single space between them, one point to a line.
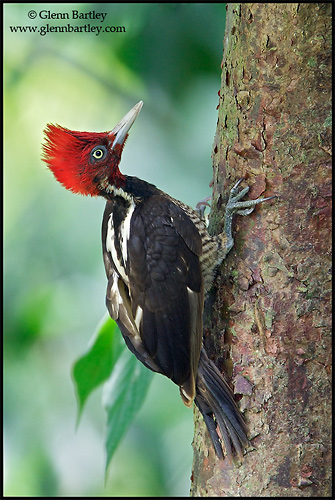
267 319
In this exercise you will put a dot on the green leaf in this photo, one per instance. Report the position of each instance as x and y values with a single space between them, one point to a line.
96 365
123 396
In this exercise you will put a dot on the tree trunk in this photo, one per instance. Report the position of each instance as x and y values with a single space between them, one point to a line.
267 320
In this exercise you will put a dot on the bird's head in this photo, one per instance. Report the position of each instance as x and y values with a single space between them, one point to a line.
88 162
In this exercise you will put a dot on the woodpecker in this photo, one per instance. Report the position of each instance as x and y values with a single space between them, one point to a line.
160 262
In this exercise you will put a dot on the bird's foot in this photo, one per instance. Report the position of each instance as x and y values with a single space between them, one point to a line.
235 206
201 206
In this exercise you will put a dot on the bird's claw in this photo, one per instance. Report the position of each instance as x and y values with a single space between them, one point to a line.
234 190
201 206
246 211
235 206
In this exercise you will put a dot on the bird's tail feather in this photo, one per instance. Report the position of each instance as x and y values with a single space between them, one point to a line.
215 400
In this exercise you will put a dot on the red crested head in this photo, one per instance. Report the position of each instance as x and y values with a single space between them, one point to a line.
88 162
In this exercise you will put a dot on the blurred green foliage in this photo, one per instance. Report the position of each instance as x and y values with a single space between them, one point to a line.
54 291
95 366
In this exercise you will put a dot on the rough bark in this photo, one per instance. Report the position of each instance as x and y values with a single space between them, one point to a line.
267 320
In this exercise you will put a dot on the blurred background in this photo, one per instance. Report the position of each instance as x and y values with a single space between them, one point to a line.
54 295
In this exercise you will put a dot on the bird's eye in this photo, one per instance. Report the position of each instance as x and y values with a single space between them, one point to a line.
99 153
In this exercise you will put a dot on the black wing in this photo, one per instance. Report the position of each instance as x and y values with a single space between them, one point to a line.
159 310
